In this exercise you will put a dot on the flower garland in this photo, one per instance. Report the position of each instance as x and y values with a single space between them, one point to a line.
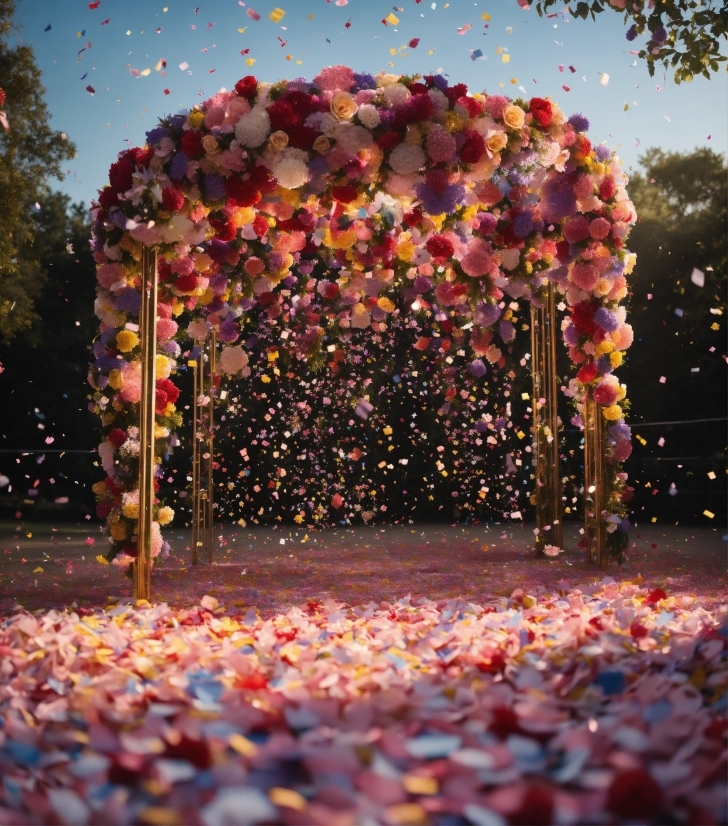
337 204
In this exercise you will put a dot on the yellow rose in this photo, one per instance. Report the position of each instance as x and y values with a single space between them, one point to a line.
513 116
343 106
495 142
321 145
210 145
126 341
278 140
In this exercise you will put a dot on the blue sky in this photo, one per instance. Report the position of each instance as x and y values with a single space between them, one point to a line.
109 48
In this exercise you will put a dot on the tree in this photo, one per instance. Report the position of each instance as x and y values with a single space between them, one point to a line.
682 34
30 152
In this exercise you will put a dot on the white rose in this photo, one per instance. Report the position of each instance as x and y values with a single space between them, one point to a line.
369 116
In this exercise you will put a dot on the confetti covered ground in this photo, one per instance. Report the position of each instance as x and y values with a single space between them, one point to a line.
495 693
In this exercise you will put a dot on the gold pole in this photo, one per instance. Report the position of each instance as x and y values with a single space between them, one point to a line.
194 364
212 369
599 497
589 477
142 572
547 494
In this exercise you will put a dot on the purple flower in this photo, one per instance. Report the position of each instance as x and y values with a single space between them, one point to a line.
440 82
215 186
486 314
523 224
247 304
620 432
558 275
129 300
518 177
481 426
118 218
571 337
436 203
218 250
603 153
631 33
487 223
155 135
228 331
579 122
178 167
606 319
363 81
506 331
604 365
559 201
318 166
178 122
106 363
660 35
422 284
170 348
477 368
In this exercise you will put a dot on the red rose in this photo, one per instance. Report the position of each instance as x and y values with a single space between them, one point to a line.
260 226
452 93
172 199
142 157
387 141
439 247
282 116
191 143
167 393
413 217
473 148
241 193
635 795
417 88
187 283
588 372
344 194
108 198
247 87
470 104
301 137
541 111
117 437
300 103
262 179
607 188
120 171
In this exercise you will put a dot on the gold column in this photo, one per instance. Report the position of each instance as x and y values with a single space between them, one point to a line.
142 568
203 419
594 482
547 493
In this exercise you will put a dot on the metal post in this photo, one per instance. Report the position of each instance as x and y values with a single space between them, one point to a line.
211 390
547 493
194 364
142 569
594 483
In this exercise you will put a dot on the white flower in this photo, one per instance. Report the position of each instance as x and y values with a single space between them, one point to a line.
328 124
252 129
292 170
232 360
396 94
369 116
405 159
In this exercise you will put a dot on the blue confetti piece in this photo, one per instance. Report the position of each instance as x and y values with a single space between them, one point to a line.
657 712
47 28
24 753
611 682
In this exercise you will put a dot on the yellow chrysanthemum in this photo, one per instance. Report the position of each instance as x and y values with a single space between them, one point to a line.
99 488
603 347
622 392
616 357
207 296
116 382
130 511
118 531
243 215
126 341
406 250
165 515
612 413
385 304
196 119
163 366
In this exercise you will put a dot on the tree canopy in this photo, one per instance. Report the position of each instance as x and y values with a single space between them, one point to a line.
30 152
684 35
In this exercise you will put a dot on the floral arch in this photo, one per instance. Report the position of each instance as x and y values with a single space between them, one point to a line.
335 205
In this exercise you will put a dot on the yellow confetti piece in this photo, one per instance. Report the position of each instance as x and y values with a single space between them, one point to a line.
485 16
102 559
415 784
159 816
145 72
242 745
521 434
499 50
287 797
514 80
709 514
509 29
310 17
289 57
158 65
277 15
392 19
393 52
250 61
241 31
39 570
506 58
654 519
299 62
525 397
432 51
407 814
387 431
711 474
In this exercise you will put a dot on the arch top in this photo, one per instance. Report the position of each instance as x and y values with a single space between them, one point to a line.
334 205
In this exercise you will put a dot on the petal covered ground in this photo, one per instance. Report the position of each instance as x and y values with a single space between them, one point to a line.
599 704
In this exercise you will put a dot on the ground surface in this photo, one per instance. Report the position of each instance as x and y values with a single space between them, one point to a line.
274 569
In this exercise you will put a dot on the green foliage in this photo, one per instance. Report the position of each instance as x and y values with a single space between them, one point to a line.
684 35
30 152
